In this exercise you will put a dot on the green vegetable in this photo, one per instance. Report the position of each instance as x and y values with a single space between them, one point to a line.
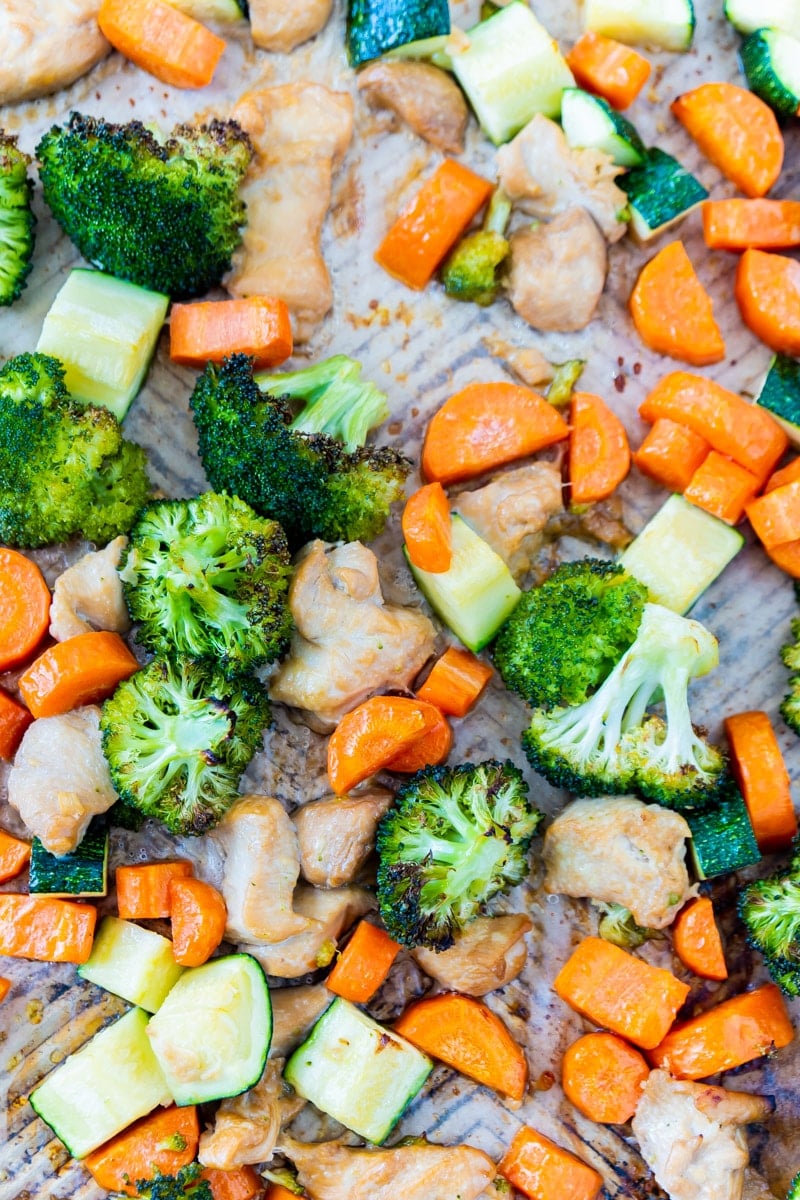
470 273
454 838
567 374
749 15
376 26
590 121
334 399
722 838
81 872
660 192
213 10
186 1185
790 654
770 910
780 395
616 925
794 1188
132 962
16 220
771 63
164 214
668 24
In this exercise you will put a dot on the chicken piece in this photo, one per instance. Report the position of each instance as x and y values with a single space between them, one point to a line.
262 864
558 272
620 851
330 914
300 132
348 643
246 1127
756 1187
423 96
691 1136
336 835
47 45
329 1171
294 1011
60 778
487 954
527 363
539 170
89 595
510 513
283 24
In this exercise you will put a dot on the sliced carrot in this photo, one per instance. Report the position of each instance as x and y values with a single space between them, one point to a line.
731 425
162 40
485 426
763 780
430 749
46 929
242 1184
165 1141
727 1036
672 310
722 487
455 682
24 608
775 517
462 1032
602 1076
430 226
697 941
363 964
542 1170
208 331
143 889
276 1191
761 224
608 68
427 529
670 454
14 720
768 294
787 557
81 670
5 988
370 736
198 915
620 992
599 454
14 856
788 474
737 131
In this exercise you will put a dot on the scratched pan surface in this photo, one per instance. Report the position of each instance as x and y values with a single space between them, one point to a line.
421 348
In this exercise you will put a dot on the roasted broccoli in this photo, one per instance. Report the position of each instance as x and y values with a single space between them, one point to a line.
794 1188
334 399
65 468
770 911
16 219
186 1185
209 579
455 837
616 925
470 272
164 214
177 737
309 483
790 709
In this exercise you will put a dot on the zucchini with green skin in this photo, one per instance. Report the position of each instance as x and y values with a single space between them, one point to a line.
590 121
780 395
213 10
667 24
375 27
771 63
722 839
132 962
660 192
81 872
749 15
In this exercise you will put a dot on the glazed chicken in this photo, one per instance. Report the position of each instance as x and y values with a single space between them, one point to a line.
330 914
247 1127
558 271
294 1011
487 954
329 1171
336 835
283 24
422 96
511 512
47 45
89 595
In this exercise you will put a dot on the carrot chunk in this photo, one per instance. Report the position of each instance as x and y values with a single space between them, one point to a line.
24 608
276 1191
602 1076
162 40
775 516
369 737
14 720
763 780
5 987
198 915
208 331
363 964
722 487
430 748
143 890
608 68
768 294
46 929
150 1145
788 474
542 1170
672 310
14 856
737 131
761 224
787 557
242 1184
670 454
455 682
599 454
81 670
697 942
428 530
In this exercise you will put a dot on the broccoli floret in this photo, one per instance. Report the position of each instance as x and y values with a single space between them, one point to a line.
455 837
16 219
562 385
616 925
177 737
790 708
209 579
611 745
794 1188
770 910
166 215
564 637
65 468
309 483
186 1185
334 399
471 271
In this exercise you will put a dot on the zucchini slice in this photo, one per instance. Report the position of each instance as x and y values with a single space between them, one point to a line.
591 121
722 839
212 10
376 26
132 962
780 395
749 15
82 872
660 192
668 24
771 62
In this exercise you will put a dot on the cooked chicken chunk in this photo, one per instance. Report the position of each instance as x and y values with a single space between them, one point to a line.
348 643
246 1128
424 97
60 779
621 851
488 954
510 513
756 1187
527 363
329 914
283 24
558 271
301 132
89 595
337 835
329 1171
691 1136
47 45
539 170
294 1011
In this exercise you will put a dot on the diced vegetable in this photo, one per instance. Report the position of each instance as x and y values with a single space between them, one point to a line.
761 774
660 192
670 454
5 988
45 929
741 224
771 63
775 517
370 736
668 24
599 454
672 311
787 557
736 131
143 888
213 10
722 487
788 474
426 529
363 964
697 942
430 748
376 26
14 856
455 682
14 720
207 331
608 68
81 872
780 395
602 1076
198 916
749 15
541 1170
242 1183
24 608
165 1141
590 121
768 294
722 839
81 670
162 40
134 963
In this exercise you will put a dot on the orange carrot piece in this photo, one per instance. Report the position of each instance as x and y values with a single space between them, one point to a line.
731 1034
761 224
787 557
242 1184
670 454
14 856
276 1191
162 40
485 426
672 311
760 772
14 720
731 425
147 1146
432 223
198 915
455 682
722 487
24 608
370 736
602 1076
143 889
542 1170
608 68
430 749
428 530
775 516
599 454
363 964
620 992
46 929
737 131
82 670
462 1032
697 942
788 474
768 294
5 987
207 331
